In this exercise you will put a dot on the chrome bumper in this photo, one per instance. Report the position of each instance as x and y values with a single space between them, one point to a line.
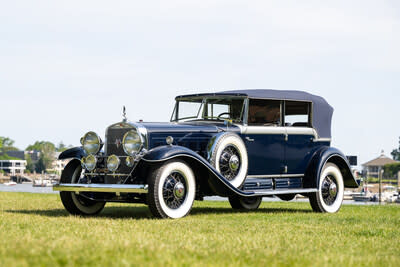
109 188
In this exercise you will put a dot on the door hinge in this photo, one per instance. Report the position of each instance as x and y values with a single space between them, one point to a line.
286 137
285 169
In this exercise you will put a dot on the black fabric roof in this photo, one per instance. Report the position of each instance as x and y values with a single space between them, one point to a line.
322 111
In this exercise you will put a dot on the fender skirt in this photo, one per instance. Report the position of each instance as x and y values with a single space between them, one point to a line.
76 152
320 158
220 184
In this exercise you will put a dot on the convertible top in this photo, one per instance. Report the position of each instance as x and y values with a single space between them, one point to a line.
322 111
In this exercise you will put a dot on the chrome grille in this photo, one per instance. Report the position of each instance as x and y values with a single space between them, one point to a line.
114 141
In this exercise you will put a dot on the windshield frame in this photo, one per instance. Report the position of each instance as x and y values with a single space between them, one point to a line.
201 111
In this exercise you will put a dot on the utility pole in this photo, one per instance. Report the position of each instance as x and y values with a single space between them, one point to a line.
398 181
380 185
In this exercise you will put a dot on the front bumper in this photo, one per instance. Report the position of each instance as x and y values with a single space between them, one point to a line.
105 188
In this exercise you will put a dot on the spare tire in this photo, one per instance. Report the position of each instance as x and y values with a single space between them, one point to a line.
229 158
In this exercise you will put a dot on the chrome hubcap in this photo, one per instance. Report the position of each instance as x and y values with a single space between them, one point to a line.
234 163
329 190
179 190
332 190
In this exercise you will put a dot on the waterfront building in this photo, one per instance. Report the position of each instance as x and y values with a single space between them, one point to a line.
372 167
13 167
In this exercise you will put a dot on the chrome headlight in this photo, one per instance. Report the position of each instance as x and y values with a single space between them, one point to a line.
89 162
132 143
91 143
113 163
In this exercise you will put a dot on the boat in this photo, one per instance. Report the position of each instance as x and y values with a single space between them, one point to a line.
364 195
11 183
42 183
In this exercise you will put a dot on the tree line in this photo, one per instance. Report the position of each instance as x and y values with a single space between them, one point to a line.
47 150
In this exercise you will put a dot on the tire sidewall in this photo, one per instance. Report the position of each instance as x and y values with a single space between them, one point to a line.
235 141
187 173
72 175
332 170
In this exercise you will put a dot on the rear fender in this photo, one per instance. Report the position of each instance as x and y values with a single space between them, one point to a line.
320 158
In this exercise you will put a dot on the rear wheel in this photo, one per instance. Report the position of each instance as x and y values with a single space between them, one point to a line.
330 193
286 197
74 203
172 189
245 203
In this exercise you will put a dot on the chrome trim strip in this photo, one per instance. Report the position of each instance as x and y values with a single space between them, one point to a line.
111 188
276 176
285 191
322 140
279 130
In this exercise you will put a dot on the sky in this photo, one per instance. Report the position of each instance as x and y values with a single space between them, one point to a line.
67 67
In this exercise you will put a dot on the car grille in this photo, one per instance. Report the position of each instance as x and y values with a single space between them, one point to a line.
114 141
113 146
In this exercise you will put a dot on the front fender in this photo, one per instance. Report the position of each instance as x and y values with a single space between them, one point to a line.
320 158
75 152
220 184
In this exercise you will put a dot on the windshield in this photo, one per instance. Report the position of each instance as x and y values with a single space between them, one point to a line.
209 109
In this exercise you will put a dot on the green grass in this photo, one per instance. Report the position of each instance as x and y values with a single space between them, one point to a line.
36 231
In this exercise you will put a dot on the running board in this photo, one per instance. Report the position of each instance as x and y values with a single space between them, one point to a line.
280 192
105 188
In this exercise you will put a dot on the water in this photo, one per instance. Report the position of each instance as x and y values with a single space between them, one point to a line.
49 190
26 188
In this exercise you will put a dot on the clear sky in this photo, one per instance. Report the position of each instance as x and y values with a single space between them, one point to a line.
67 67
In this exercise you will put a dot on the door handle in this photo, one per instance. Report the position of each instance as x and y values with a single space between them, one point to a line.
249 139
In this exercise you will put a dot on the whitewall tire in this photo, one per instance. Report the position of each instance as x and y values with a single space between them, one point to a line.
330 193
73 203
229 158
172 190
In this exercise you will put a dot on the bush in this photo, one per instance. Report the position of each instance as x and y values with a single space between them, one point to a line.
391 170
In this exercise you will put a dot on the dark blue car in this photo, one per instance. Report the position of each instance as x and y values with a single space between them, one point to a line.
244 145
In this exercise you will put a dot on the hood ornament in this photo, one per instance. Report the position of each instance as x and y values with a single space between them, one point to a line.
124 119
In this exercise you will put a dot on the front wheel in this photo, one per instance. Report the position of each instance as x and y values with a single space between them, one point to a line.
172 189
330 193
74 203
245 203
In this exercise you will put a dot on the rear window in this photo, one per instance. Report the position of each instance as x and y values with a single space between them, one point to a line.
297 114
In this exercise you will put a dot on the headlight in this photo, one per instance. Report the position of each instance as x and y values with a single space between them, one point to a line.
129 161
91 143
131 142
89 162
113 163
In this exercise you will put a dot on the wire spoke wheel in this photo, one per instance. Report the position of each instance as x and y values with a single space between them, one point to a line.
329 190
174 190
229 162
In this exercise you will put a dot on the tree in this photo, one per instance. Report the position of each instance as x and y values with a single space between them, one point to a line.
62 147
391 169
396 152
6 144
47 150
29 164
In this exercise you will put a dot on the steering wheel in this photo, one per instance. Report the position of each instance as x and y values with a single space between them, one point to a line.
222 114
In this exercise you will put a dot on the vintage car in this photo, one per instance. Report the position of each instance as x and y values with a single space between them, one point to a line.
244 145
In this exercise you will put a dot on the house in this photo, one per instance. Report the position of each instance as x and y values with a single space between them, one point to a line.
13 167
372 167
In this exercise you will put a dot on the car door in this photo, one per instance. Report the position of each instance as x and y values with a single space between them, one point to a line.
300 136
264 137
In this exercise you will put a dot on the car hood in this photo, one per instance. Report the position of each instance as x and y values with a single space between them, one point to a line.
205 127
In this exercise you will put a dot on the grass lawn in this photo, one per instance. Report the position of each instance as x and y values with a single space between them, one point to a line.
35 230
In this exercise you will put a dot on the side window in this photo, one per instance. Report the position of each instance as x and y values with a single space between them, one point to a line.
297 114
264 112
